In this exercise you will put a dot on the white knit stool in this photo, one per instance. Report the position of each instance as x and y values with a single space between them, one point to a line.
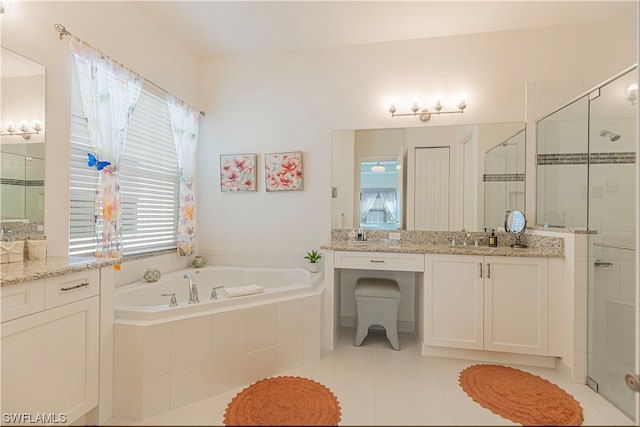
377 303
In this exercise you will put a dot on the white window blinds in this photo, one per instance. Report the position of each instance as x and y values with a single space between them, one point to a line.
148 179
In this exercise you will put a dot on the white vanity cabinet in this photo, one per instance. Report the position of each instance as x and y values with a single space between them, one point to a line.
50 347
486 303
453 301
516 305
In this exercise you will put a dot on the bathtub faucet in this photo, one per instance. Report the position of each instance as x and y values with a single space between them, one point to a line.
193 289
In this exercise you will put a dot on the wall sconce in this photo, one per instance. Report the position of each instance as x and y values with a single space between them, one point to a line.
632 94
423 113
22 128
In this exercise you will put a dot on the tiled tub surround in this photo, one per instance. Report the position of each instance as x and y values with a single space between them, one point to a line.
162 365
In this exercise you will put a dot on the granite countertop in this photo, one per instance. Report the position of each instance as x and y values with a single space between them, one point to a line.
19 272
413 248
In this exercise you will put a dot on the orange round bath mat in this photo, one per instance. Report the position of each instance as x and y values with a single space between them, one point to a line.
520 396
283 401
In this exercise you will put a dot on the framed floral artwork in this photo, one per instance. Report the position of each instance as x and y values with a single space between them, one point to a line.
237 172
283 171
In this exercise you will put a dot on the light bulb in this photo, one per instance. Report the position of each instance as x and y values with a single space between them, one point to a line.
632 93
392 105
24 126
11 126
415 104
462 103
36 124
438 105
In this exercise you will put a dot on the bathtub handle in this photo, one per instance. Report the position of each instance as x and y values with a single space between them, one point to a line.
173 302
214 293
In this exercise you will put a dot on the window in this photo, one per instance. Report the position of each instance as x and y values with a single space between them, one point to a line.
149 181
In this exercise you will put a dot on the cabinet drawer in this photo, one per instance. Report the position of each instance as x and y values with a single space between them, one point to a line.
22 300
379 261
71 287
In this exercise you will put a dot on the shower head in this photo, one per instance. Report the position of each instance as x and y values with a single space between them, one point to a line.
613 137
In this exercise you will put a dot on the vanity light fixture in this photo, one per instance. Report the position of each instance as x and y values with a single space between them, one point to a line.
632 94
377 168
423 113
22 128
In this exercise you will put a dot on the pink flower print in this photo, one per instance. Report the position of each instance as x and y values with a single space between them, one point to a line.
233 176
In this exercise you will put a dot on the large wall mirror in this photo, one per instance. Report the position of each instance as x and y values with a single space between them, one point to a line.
434 178
22 142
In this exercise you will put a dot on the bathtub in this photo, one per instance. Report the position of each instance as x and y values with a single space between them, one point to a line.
144 301
167 357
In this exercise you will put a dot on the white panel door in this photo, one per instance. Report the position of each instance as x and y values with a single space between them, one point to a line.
453 309
432 189
516 305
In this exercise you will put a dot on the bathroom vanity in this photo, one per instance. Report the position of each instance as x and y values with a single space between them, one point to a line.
53 338
469 301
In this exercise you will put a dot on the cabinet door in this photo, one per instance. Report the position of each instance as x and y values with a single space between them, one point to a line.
516 305
453 301
50 361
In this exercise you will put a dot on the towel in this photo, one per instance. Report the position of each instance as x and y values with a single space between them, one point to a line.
238 291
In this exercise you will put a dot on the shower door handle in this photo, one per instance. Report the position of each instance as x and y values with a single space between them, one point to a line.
633 382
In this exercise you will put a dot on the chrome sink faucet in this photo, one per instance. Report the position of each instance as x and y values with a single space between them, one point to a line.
193 289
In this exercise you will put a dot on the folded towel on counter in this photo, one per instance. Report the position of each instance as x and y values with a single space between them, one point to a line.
238 291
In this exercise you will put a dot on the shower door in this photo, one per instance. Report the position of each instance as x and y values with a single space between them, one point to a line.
612 220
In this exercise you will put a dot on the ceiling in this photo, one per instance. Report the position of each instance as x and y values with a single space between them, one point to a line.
230 28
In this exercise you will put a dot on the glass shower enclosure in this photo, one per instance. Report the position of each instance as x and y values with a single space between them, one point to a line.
586 179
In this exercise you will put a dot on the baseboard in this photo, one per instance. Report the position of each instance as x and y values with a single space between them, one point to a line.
490 356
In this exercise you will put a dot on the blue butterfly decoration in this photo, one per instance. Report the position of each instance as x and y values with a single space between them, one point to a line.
93 161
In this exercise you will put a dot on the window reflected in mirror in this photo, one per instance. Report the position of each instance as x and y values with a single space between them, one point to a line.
380 197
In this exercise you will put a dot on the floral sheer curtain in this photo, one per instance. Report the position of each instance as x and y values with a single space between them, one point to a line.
109 93
185 125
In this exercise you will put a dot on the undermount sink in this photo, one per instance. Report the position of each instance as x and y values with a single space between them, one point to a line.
12 251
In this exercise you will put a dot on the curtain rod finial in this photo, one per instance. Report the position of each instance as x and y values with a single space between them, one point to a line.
61 29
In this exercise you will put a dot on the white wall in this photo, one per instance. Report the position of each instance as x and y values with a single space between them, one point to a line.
118 29
294 101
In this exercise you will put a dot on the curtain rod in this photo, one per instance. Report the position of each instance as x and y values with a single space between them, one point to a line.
63 32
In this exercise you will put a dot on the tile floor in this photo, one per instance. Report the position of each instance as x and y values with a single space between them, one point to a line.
379 386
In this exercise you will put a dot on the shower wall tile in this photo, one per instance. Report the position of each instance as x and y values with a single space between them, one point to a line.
580 304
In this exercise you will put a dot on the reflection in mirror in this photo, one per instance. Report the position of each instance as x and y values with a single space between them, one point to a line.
380 195
504 173
441 177
516 223
22 156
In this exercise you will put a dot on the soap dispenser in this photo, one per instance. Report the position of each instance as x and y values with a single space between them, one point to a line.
493 239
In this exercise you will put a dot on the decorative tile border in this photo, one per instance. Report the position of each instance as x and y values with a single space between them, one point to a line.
584 158
502 177
22 182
